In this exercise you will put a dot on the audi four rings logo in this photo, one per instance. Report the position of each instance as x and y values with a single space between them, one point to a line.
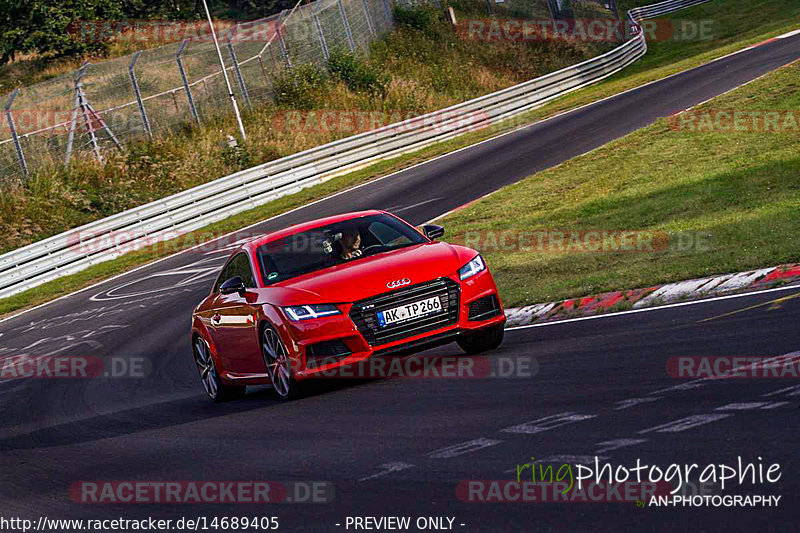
398 283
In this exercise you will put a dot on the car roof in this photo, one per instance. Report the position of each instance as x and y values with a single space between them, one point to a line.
305 226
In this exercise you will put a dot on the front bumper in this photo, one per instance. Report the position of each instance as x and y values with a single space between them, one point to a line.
323 344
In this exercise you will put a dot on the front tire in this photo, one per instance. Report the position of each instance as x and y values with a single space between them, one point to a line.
482 340
279 364
215 389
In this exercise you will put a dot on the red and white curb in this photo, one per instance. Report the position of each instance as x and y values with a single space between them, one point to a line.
694 289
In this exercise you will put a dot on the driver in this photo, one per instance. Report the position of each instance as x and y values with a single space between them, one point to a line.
351 241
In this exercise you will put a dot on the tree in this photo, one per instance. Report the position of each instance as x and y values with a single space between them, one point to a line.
42 26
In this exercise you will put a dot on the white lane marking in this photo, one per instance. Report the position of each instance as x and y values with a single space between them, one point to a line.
689 385
677 426
192 273
388 468
547 423
775 405
790 34
655 308
793 390
570 459
743 406
615 444
625 404
462 448
415 205
428 161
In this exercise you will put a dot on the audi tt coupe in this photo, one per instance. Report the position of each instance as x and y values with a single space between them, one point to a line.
304 300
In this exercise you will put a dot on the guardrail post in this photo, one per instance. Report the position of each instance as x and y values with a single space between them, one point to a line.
282 42
238 72
325 52
15 139
370 27
351 43
138 94
179 59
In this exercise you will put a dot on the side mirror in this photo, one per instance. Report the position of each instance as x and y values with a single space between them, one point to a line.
235 284
433 231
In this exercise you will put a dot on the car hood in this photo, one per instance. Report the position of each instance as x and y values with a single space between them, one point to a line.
362 278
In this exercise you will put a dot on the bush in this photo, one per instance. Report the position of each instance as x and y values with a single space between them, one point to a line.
300 87
418 18
356 73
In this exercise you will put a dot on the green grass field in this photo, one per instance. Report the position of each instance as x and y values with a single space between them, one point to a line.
736 193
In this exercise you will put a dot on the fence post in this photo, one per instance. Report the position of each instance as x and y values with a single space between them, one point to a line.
369 19
388 8
282 42
322 42
351 43
138 94
86 112
612 4
20 156
238 72
263 69
74 120
179 58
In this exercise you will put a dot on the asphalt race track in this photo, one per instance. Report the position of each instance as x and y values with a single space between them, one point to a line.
401 446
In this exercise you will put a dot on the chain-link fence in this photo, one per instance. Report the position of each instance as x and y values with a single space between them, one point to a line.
159 90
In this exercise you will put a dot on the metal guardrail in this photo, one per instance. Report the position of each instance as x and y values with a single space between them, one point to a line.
105 239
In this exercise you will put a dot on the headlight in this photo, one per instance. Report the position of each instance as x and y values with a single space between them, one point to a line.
305 312
472 268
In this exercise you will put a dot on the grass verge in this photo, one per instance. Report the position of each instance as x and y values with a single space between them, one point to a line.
713 202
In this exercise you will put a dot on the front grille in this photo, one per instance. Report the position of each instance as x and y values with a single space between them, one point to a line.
483 308
363 313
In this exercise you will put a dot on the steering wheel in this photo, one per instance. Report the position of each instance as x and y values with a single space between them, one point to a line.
371 246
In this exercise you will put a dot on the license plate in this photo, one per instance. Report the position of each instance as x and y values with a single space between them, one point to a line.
409 311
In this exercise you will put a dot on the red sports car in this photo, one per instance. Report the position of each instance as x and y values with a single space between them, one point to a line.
336 291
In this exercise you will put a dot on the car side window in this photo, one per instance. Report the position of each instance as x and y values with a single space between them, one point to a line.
238 266
387 235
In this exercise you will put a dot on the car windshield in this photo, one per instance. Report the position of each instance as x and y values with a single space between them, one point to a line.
334 244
